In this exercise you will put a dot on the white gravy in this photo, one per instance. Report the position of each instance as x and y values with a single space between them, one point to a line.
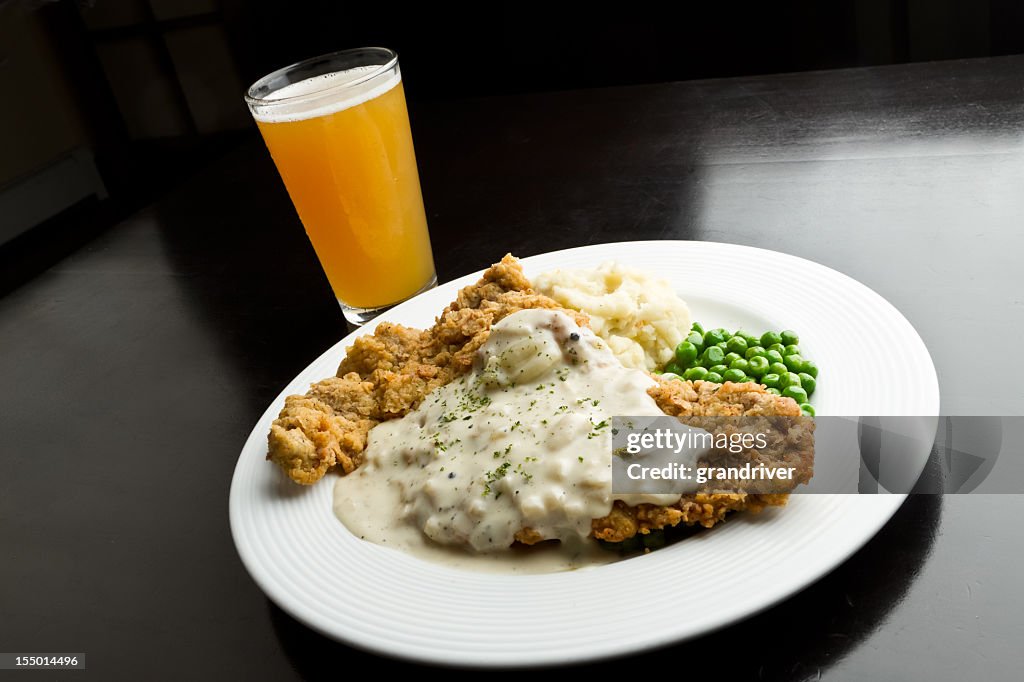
521 441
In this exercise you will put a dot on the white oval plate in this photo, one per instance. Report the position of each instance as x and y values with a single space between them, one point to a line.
872 362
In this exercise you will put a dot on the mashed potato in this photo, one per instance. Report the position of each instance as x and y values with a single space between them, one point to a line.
640 316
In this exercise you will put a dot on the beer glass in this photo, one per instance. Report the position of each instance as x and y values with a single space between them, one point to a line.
338 131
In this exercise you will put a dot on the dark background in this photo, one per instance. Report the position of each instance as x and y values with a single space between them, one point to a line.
145 92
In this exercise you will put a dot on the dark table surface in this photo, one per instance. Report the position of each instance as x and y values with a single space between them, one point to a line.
133 370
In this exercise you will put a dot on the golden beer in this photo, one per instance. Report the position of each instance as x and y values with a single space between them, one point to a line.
341 141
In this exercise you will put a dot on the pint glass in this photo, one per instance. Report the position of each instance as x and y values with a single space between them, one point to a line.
338 131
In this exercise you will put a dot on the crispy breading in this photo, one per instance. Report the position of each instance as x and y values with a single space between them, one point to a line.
690 402
705 399
327 426
387 374
706 509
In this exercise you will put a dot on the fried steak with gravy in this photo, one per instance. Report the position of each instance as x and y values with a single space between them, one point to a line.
386 374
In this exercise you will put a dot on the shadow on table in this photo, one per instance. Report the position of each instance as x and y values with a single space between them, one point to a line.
791 641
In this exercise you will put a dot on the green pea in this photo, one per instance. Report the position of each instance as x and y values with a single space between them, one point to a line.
769 338
697 340
749 338
789 337
777 368
712 356
740 364
695 373
808 382
777 347
674 368
789 379
774 391
770 380
696 327
726 334
755 352
773 355
713 377
719 369
669 375
795 363
791 349
757 365
811 368
731 357
712 337
724 345
807 409
737 344
735 376
686 353
796 393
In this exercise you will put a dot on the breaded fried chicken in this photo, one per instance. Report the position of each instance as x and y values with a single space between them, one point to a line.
700 404
387 374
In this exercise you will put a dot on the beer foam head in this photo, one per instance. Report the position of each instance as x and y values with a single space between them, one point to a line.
325 94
